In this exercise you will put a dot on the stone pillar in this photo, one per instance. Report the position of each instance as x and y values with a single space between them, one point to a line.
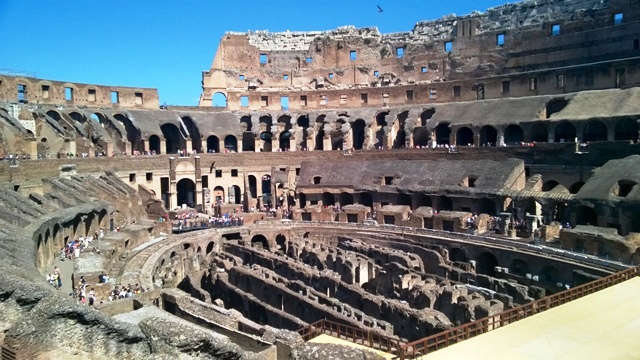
532 223
127 148
163 146
198 176
188 145
551 136
506 222
259 143
611 133
500 137
275 142
109 148
326 142
173 195
348 140
204 146
476 138
453 136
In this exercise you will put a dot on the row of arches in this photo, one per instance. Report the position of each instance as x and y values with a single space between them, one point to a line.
486 264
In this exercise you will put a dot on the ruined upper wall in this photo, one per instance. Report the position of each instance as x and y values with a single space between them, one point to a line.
41 91
527 43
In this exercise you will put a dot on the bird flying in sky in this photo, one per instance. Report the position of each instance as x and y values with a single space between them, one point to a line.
379 8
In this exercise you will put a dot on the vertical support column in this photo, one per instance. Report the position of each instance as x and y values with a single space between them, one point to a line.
198 176
551 136
188 145
326 142
348 140
452 136
173 196
163 146
127 148
476 138
259 143
203 146
500 136
275 142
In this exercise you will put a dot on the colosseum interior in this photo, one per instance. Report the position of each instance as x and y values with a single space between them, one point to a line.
381 188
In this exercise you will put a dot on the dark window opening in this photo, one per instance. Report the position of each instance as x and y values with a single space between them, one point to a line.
388 180
22 92
423 69
139 99
456 91
636 44
555 30
115 98
316 179
472 182
409 95
234 172
506 86
624 188
92 95
45 91
364 98
620 78
149 176
303 100
132 177
480 92
500 40
218 173
297 171
560 81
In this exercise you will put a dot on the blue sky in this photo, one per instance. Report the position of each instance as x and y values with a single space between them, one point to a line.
166 44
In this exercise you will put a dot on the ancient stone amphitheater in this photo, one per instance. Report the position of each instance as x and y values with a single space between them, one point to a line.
380 188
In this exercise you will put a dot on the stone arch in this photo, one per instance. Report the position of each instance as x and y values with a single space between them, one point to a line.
174 139
565 132
281 243
248 137
486 263
444 203
594 130
133 133
328 199
443 133
213 144
194 132
513 135
421 136
457 255
285 140
626 129
219 99
464 136
488 135
539 133
358 133
555 105
237 194
259 241
586 215
346 199
303 123
218 195
381 123
253 186
266 188
550 273
549 185
575 187
426 115
154 144
186 192
337 136
231 143
519 267
209 247
401 136
302 200
319 140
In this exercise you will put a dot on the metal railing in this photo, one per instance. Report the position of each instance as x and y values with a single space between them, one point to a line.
7 354
353 334
460 333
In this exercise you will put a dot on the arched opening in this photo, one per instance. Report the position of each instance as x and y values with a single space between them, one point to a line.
565 132
519 267
488 136
358 133
213 144
133 133
319 132
426 115
154 144
194 132
366 199
266 189
209 247
281 244
337 136
266 141
486 263
464 136
513 135
219 100
381 122
595 131
237 195
555 105
550 274
422 200
444 203
186 190
328 199
421 136
173 137
457 255
401 136
549 185
231 143
539 133
253 187
487 206
626 129
586 216
442 133
259 242
302 200
576 187
346 199
218 195
285 140
248 138
303 123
